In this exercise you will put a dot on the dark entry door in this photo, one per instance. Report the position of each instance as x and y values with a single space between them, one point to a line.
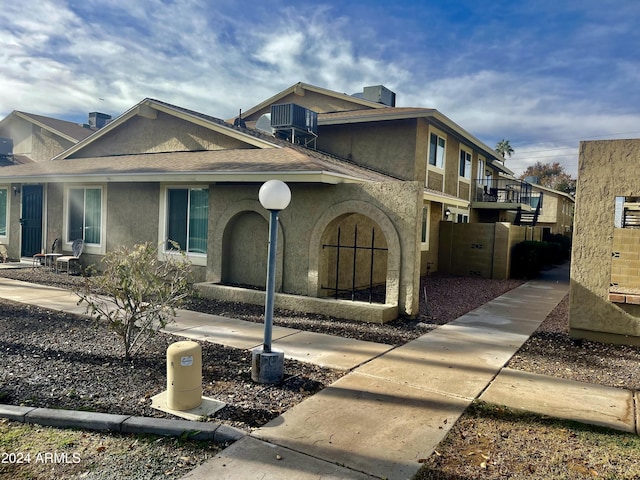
31 220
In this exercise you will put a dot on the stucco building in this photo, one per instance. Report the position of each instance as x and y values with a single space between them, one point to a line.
371 185
605 270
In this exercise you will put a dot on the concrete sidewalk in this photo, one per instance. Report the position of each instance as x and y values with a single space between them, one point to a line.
381 419
396 404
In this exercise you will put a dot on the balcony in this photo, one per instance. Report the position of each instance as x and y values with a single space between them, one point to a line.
504 194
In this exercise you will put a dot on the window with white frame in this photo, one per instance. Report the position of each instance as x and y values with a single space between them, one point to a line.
465 164
424 235
482 172
84 215
437 146
4 208
187 217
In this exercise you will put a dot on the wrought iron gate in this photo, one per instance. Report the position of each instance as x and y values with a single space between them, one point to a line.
354 290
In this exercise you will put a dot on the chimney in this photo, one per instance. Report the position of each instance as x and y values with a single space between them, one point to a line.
98 120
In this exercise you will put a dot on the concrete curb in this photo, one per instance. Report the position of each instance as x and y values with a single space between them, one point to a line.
212 431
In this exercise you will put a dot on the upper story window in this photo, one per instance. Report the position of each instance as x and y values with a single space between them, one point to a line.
437 146
84 217
187 218
465 164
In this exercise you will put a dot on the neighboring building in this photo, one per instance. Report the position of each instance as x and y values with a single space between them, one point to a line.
605 268
371 185
26 138
556 209
409 144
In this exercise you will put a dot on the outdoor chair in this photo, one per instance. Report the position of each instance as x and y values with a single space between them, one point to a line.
67 260
41 258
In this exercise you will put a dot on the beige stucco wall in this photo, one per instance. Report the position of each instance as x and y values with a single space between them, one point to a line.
394 206
165 133
481 249
607 168
33 141
388 147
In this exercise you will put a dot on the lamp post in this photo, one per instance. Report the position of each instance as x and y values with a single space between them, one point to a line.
267 366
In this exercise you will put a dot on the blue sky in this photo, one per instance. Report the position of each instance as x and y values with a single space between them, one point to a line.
542 74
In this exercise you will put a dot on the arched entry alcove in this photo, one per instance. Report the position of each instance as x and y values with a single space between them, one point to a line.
353 261
373 226
244 250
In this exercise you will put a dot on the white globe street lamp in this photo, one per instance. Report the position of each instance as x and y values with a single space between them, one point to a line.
267 366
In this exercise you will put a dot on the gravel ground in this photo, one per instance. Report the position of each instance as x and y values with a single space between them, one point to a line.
52 359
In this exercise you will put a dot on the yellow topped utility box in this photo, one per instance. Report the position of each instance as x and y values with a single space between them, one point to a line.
184 375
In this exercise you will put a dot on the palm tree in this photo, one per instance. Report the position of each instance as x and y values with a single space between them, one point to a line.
504 148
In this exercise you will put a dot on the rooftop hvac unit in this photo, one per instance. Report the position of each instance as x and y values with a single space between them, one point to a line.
379 94
290 115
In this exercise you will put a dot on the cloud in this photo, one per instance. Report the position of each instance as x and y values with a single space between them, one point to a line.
542 73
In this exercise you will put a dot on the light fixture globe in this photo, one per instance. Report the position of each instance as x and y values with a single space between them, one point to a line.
274 195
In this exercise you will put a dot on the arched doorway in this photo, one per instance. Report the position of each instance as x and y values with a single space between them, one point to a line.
354 259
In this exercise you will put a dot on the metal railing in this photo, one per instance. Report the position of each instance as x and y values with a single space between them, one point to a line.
502 190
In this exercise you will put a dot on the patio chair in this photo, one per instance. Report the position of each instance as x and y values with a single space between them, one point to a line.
41 258
67 260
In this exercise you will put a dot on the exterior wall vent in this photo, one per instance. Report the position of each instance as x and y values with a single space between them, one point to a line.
294 123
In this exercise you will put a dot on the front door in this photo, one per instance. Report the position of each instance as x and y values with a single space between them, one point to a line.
31 220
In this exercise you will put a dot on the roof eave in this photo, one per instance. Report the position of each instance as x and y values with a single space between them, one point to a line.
28 118
150 103
316 176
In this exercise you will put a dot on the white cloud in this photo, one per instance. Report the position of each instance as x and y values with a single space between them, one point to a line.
67 58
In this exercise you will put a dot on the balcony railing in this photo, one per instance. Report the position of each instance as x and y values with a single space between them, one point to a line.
503 190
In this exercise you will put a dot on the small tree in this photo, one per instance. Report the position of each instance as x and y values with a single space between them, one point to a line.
137 294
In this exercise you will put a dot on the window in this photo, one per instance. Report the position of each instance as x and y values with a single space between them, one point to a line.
187 219
536 200
465 164
627 212
462 218
436 150
4 198
84 215
424 236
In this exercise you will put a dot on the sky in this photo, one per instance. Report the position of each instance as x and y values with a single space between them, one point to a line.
542 74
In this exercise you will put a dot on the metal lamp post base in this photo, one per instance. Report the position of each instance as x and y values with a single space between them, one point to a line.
267 367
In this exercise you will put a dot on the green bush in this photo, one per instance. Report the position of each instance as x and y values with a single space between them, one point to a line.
526 259
530 257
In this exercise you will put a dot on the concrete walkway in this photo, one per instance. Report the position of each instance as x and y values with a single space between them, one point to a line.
395 404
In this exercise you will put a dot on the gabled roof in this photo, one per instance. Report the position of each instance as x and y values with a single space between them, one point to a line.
551 190
239 165
149 108
300 87
70 131
385 113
